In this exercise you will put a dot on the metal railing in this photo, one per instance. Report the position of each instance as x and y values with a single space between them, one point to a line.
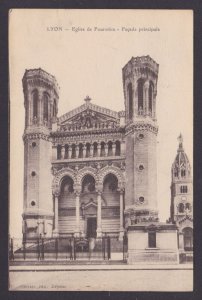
72 248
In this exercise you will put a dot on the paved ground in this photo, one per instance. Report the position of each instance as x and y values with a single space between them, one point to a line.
92 279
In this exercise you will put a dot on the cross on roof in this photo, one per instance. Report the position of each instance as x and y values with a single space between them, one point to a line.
87 99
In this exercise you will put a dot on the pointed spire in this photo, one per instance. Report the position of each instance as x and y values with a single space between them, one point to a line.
180 140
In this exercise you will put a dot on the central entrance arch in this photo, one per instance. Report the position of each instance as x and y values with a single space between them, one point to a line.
91 223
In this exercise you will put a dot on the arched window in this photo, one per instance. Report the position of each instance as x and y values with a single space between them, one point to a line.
140 94
188 206
87 150
73 151
110 184
80 150
35 104
181 208
67 185
176 172
118 148
54 108
110 148
130 100
59 151
183 173
88 184
151 91
188 238
45 107
102 152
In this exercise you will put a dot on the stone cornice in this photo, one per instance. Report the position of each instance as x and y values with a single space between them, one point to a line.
92 134
132 127
142 62
38 135
155 226
41 78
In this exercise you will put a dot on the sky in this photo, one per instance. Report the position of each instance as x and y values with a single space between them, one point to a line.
88 61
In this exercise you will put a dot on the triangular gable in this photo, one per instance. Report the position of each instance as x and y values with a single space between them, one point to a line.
100 112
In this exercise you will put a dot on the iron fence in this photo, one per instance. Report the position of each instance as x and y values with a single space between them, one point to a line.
72 248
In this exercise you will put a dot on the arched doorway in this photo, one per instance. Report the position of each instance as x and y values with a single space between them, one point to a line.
88 205
66 206
188 238
111 209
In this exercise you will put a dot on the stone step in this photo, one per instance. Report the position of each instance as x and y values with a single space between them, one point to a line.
66 262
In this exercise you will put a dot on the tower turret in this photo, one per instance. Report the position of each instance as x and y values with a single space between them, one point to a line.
41 106
181 185
140 77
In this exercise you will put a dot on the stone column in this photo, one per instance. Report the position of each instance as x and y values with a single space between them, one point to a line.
91 150
70 151
121 230
113 149
55 231
63 152
99 216
98 149
84 150
77 230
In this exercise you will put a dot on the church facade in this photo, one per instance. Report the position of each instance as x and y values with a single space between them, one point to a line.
93 171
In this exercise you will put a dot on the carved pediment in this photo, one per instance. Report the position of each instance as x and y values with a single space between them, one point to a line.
88 116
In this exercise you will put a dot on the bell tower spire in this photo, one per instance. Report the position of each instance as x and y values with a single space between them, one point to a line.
181 185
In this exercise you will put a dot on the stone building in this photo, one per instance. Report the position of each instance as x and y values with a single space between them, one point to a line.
93 170
181 209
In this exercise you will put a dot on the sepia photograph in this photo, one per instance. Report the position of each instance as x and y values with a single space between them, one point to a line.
101 150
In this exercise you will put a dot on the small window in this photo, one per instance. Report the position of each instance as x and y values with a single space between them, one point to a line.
152 239
183 189
33 173
141 167
141 136
188 206
181 208
141 199
183 173
33 144
33 203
